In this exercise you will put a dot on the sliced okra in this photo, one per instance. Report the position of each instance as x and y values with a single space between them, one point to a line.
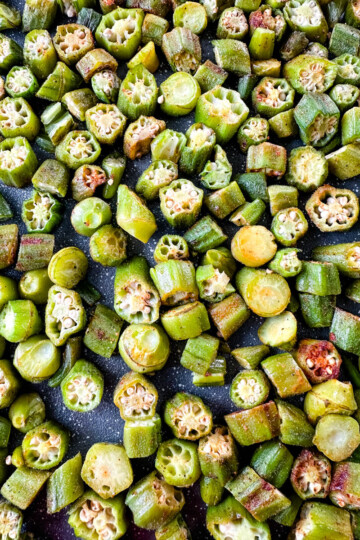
294 429
232 55
11 520
318 278
182 49
187 321
268 158
22 487
350 126
344 95
95 61
272 461
286 262
144 347
204 235
243 250
34 285
106 85
136 397
139 135
65 314
82 388
108 246
210 75
249 389
215 376
106 325
213 284
255 425
266 68
281 197
9 383
147 57
311 475
45 446
220 259
37 359
19 319
346 257
57 122
89 215
191 15
307 16
337 436
72 42
272 96
38 14
229 315
218 455
265 17
217 174
153 29
232 24
27 412
308 73
119 32
188 417
178 462
344 490
262 43
41 213
175 281
348 69
79 101
316 310
180 203
307 168
294 45
105 122
142 437
200 353
18 161
159 174
17 119
114 166
225 200
279 331
35 251
134 216
287 377
65 485
198 148
78 148
253 131
88 16
10 17
39 53
168 145
11 53
21 82
85 181
171 247
333 209
250 357
107 469
176 527
68 267
138 93
60 81
319 359
317 117
289 226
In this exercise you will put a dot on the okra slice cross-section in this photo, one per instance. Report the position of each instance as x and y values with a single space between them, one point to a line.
82 388
218 455
144 347
65 314
188 416
311 475
319 360
332 209
178 462
249 388
180 202
45 446
136 397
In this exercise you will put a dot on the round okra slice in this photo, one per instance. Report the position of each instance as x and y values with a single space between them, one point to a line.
67 267
45 446
11 520
279 331
311 475
344 95
337 436
64 315
78 148
232 24
108 246
264 17
21 82
41 213
182 49
10 53
188 417
213 284
191 15
286 263
289 225
253 245
89 215
159 174
107 469
17 119
179 94
249 388
85 181
94 518
254 130
200 140
119 32
180 203
106 85
39 53
139 135
176 528
319 360
144 347
272 96
27 412
221 259
218 455
138 93
333 209
178 462
168 144
72 42
171 247
37 359
318 119
307 168
83 387
306 16
136 397
308 73
217 174
348 69
9 383
106 122
18 162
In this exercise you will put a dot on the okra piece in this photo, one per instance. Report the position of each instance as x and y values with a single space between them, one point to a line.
229 315
283 124
211 491
79 101
346 257
64 316
217 174
171 247
136 299
287 377
175 281
133 215
267 158
282 197
107 6
253 185
294 45
52 176
177 461
119 32
27 412
225 200
250 357
279 331
85 181
318 278
294 429
319 360
198 148
114 166
249 389
255 425
286 263
232 24
258 496
142 437
289 226
190 15
344 491
19 320
348 69
349 126
329 397
311 475
138 93
220 259
65 485
5 209
178 94
231 517
168 145
344 39
88 16
344 331
10 17
89 215
45 446
144 347
23 486
232 55
307 168
182 49
215 376
93 62
136 397
317 311
272 461
200 353
188 417
60 81
107 469
38 14
41 213
308 73
261 46
91 514
307 16
210 75
72 353
205 234
233 110
11 519
253 245
187 321
337 436
37 359
333 209
140 134
88 293
153 502
21 82
72 42
272 96
17 120
11 53
351 13
106 85
103 332
177 528
82 388
288 516
78 148
159 174
108 246
253 131
39 53
8 290
147 57
344 95
8 244
18 161
180 203
105 122
153 29
35 251
317 117
213 284
352 291
5 429
9 383
57 122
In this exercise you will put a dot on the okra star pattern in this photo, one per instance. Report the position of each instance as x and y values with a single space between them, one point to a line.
180 269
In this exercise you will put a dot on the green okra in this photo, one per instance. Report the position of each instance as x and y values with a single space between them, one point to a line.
318 118
5 209
213 284
120 22
88 16
178 462
168 145
39 53
218 455
45 446
319 278
200 141
210 75
182 49
23 486
37 359
253 185
136 397
5 429
289 225
286 376
300 72
249 389
224 201
186 321
313 23
200 353
192 16
57 122
78 147
346 257
177 528
78 101
8 290
178 94
65 485
18 161
140 134
106 122
144 347
60 81
279 331
88 293
211 490
27 412
220 259
52 176
255 425
153 29
232 55
286 262
337 436
216 174
11 385
82 388
89 215
294 45
317 519
250 357
142 437
171 247
138 93
267 158
106 85
329 397
102 334
282 100
114 166
229 315
333 209
215 376
159 174
262 43
205 234
108 246
344 331
319 483
19 320
317 311
188 417
284 125
344 95
273 462
307 168
294 428
175 281
85 181
319 360
134 216
11 53
72 353
253 131
288 516
180 203
282 197
344 486
64 315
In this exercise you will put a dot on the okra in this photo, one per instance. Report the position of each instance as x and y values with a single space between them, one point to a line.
38 14
45 446
11 519
333 209
78 148
188 417
119 32
215 376
159 174
294 428
106 85
64 316
344 491
191 15
85 181
220 259
89 215
308 73
139 135
180 203
253 185
200 353
23 486
18 161
171 247
216 174
344 330
108 246
199 144
211 490
329 397
218 455
144 347
177 461
252 132
106 122
60 81
318 278
253 245
319 360
250 357
9 383
344 95
268 158
289 226
316 310
114 166
175 281
88 16
39 53
229 315
279 331
205 234
294 45
249 389
72 353
311 475
317 117
317 519
52 176
337 436
79 101
213 285
82 387
168 145
153 29
210 75
5 209
286 263
142 437
182 50
95 61
255 425
103 332
8 244
307 168
65 485
138 93
19 319
272 96
176 528
27 412
272 461
346 257
37 359
11 53
306 16
136 397
282 197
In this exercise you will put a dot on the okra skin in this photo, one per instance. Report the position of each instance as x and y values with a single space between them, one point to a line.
188 417
344 488
211 490
218 455
200 353
187 321
82 388
27 412
345 331
229 315
256 425
321 279
134 216
37 359
250 357
294 426
288 379
178 462
102 334
329 397
142 437
72 353
22 487
272 461
65 485
8 244
215 376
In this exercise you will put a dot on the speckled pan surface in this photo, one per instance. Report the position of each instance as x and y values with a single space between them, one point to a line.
104 423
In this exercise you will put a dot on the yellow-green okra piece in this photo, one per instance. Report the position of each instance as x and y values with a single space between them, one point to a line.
133 215
145 348
188 417
65 485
